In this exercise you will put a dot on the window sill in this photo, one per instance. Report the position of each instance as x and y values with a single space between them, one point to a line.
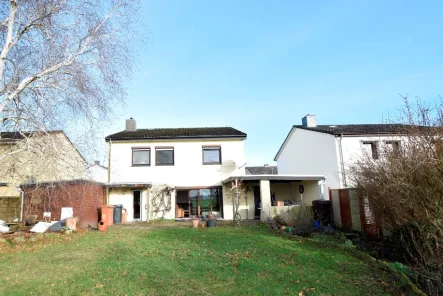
211 163
140 165
164 164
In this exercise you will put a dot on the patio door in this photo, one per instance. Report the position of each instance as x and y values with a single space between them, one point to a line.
194 207
137 204
205 201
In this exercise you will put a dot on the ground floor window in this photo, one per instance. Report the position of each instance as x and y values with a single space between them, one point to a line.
200 202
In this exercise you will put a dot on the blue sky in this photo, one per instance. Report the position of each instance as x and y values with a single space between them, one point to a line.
260 66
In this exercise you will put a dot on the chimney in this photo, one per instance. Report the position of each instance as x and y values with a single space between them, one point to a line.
309 121
131 125
97 162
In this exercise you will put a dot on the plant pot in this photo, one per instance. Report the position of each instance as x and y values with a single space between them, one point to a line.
211 223
102 226
202 224
195 222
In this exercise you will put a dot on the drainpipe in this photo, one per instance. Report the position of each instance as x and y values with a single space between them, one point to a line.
109 171
342 163
22 195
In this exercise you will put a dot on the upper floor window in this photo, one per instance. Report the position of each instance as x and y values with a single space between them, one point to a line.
211 155
395 145
371 147
164 156
141 156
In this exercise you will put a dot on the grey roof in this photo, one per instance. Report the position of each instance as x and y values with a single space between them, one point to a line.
178 133
261 170
358 129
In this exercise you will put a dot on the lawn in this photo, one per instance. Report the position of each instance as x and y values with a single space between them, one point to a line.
186 261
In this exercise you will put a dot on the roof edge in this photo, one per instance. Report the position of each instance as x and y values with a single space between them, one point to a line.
108 138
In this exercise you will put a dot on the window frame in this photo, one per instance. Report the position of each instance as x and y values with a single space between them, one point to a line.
140 149
374 148
157 149
395 145
212 148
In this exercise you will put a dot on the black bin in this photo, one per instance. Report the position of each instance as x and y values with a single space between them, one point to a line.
118 209
322 211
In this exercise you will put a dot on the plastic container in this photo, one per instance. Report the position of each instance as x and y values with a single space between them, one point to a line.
211 223
117 219
109 212
322 211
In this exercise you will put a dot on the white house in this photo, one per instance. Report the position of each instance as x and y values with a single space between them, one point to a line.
97 172
329 149
192 162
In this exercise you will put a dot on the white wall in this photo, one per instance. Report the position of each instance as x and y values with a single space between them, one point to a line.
188 169
97 173
124 197
310 153
289 191
354 149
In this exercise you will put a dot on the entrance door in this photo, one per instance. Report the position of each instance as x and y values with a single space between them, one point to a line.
257 202
137 204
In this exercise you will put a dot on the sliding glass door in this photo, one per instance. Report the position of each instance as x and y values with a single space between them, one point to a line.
203 202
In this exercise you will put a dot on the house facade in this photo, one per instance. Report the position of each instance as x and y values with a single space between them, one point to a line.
329 150
173 173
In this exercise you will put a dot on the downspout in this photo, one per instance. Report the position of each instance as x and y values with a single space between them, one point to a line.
109 171
342 162
22 195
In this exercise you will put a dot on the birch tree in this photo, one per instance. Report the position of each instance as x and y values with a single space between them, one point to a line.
63 63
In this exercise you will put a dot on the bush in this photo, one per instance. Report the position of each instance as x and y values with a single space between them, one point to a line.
404 189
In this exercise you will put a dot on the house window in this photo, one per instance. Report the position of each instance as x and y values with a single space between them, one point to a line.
211 155
395 145
141 156
164 156
372 148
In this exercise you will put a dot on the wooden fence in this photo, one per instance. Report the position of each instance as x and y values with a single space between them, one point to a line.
353 213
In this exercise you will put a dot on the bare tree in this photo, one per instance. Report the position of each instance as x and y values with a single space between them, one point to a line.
236 190
63 63
404 187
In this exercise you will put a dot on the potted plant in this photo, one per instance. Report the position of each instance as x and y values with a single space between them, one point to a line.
195 221
211 220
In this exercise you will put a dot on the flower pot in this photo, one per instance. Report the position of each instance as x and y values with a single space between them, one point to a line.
102 226
195 222
211 223
202 224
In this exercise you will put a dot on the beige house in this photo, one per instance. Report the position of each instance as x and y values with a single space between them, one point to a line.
34 157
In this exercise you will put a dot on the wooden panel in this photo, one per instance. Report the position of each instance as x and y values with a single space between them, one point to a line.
9 208
345 209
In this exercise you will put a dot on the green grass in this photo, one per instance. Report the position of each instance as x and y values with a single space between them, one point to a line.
187 261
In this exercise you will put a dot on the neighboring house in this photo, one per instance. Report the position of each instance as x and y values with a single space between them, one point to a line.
193 162
329 149
34 157
97 172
